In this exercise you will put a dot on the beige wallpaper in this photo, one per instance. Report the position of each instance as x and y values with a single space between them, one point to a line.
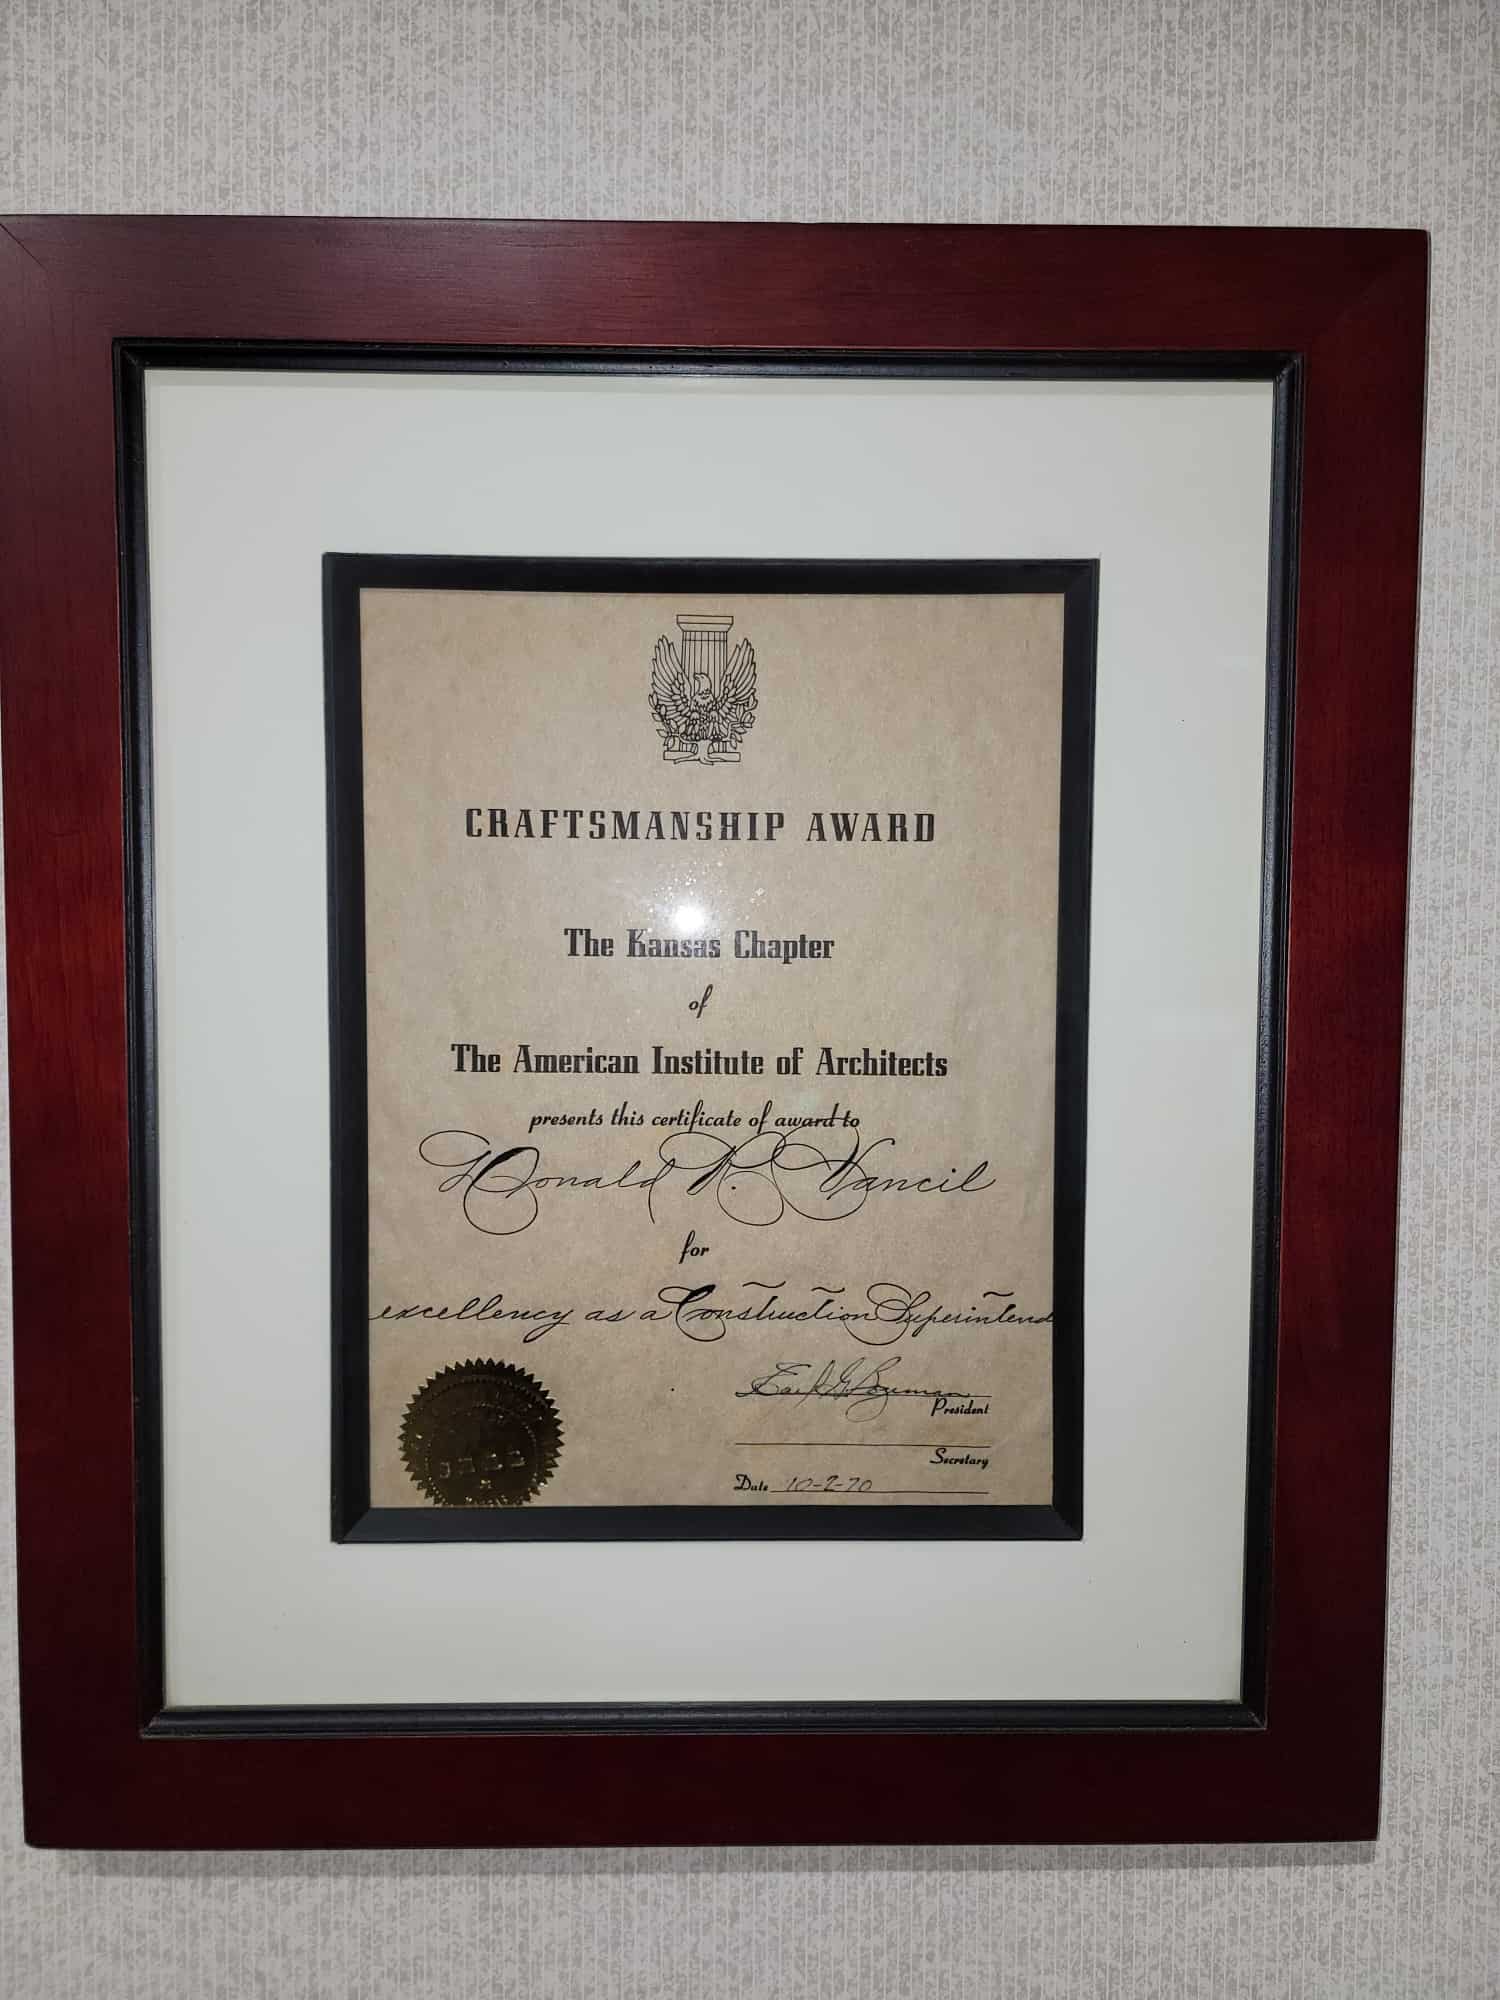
1261 111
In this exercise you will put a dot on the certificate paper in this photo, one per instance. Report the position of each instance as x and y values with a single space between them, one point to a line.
709 1002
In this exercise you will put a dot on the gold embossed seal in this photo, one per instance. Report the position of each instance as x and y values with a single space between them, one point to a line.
481 1434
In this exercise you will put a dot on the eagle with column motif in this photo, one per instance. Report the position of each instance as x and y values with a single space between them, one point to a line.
702 695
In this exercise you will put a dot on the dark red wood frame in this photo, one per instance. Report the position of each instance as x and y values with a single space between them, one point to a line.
1352 306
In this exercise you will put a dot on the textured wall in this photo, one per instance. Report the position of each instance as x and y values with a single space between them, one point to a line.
1247 111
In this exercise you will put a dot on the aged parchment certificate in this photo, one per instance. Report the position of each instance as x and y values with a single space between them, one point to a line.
711 1002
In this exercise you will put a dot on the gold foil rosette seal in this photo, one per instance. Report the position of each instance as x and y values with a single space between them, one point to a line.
481 1434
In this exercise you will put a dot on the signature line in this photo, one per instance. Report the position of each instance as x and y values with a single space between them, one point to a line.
850 1444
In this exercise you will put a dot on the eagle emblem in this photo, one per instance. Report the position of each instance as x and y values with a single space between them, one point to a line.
702 695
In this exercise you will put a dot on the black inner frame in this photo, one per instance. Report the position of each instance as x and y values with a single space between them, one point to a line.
1282 370
354 1519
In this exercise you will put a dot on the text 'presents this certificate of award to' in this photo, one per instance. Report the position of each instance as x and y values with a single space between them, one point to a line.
710 1000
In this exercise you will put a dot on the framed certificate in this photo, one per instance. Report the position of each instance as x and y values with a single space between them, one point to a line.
708 1113
705 992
